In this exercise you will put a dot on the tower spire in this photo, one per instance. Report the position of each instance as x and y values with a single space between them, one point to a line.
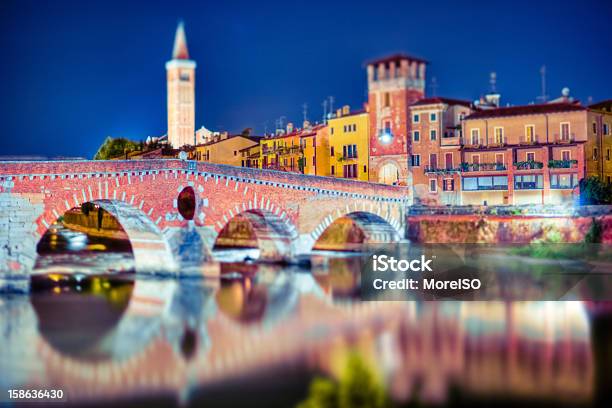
180 51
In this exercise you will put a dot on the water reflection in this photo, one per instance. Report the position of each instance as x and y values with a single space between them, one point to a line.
122 336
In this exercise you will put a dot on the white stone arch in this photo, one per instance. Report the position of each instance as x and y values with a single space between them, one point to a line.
151 250
378 226
274 231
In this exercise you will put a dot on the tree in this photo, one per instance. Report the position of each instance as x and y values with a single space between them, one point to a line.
593 191
113 148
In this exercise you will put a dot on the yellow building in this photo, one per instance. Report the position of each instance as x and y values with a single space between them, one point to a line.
251 157
224 149
349 144
315 148
281 152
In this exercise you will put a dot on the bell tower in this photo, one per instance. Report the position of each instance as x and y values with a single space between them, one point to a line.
394 83
180 77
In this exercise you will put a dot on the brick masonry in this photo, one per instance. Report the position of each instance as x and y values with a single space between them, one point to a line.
143 195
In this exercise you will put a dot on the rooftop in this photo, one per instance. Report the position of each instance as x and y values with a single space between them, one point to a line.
254 139
436 99
603 105
394 58
526 110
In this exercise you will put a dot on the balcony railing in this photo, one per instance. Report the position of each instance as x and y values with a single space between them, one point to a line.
528 165
563 164
529 140
441 170
467 167
564 138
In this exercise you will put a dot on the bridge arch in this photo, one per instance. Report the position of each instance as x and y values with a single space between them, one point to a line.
372 228
271 233
151 250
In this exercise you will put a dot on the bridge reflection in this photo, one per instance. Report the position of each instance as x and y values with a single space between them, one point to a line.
174 338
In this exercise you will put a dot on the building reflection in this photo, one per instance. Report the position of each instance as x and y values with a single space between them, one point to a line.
159 337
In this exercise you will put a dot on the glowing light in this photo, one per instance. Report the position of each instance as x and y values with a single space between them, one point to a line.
385 137
55 277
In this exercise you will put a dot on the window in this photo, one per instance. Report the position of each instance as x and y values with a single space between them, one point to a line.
387 99
475 136
416 135
350 171
448 161
235 153
499 158
433 134
529 133
344 128
388 126
433 185
332 151
354 127
594 127
416 118
184 76
565 131
608 179
608 154
333 170
314 161
433 161
563 180
475 158
448 185
595 153
331 130
565 154
499 135
606 129
485 183
530 156
433 117
416 160
365 168
528 182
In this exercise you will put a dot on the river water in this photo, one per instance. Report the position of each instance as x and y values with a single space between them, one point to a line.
282 335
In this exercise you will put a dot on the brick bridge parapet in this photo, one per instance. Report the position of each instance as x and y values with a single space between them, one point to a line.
143 195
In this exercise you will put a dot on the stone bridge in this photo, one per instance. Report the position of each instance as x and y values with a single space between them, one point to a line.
173 211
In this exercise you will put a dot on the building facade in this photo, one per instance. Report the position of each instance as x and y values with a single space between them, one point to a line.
435 149
349 139
599 145
394 83
224 149
533 154
180 78
315 149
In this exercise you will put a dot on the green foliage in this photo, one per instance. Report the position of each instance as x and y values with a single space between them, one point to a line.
357 387
114 148
593 191
593 235
562 164
529 164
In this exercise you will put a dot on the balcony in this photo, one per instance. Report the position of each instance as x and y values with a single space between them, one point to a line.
529 140
563 164
441 170
528 165
469 167
564 138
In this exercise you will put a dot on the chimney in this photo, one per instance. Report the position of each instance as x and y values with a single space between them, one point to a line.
346 109
338 112
306 124
289 127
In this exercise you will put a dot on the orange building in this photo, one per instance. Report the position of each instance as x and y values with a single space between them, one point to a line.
435 149
599 145
282 152
533 154
224 149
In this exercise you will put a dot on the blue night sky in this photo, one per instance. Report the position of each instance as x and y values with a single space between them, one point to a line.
76 72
